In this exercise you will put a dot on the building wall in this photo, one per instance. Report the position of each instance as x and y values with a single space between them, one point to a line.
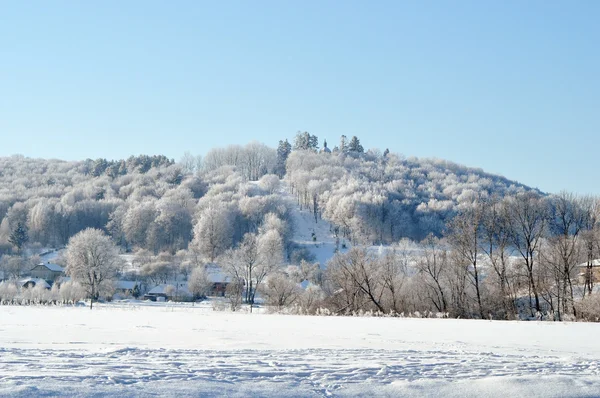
44 273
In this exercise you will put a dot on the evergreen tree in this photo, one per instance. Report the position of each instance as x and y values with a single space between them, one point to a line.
19 236
283 151
354 145
306 141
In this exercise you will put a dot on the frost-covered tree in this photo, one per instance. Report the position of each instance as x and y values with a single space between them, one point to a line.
253 260
306 142
280 291
213 232
355 146
199 283
92 261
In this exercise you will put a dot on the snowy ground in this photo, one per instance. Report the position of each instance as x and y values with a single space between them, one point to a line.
164 350
323 245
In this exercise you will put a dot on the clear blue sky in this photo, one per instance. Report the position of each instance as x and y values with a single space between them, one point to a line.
512 87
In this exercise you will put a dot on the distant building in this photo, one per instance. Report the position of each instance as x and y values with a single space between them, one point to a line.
595 271
47 271
128 288
176 291
219 281
33 282
325 149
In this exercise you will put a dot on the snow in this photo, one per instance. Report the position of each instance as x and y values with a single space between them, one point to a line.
35 281
50 255
171 288
126 285
216 275
324 245
134 349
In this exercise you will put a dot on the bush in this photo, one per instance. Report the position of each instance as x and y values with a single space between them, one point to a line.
589 308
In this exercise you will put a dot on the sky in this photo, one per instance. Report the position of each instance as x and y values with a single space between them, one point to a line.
511 87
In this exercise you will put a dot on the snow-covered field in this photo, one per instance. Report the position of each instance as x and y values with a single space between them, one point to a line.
166 350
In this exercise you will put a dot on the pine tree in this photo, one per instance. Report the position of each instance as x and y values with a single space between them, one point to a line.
283 151
306 141
19 236
354 145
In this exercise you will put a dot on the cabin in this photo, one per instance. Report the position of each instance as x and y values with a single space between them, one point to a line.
219 281
47 271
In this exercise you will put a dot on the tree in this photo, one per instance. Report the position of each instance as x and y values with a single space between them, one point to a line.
343 144
528 213
566 222
92 261
213 232
280 291
496 245
253 260
283 151
13 267
356 275
432 267
354 145
464 237
18 237
306 141
199 284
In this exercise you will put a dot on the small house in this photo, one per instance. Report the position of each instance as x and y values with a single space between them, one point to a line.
47 271
219 281
177 291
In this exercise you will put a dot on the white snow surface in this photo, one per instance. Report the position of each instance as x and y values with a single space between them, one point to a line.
324 245
133 350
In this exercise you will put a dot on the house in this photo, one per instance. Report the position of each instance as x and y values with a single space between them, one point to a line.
33 282
595 269
219 281
127 288
177 291
48 271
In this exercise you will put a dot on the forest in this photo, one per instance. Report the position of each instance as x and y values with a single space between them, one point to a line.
419 236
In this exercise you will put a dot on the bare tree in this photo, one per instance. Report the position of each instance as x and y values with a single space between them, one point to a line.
528 214
496 245
357 273
432 268
568 218
393 265
464 233
591 239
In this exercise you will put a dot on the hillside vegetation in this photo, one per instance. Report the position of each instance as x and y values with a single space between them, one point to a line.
455 240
